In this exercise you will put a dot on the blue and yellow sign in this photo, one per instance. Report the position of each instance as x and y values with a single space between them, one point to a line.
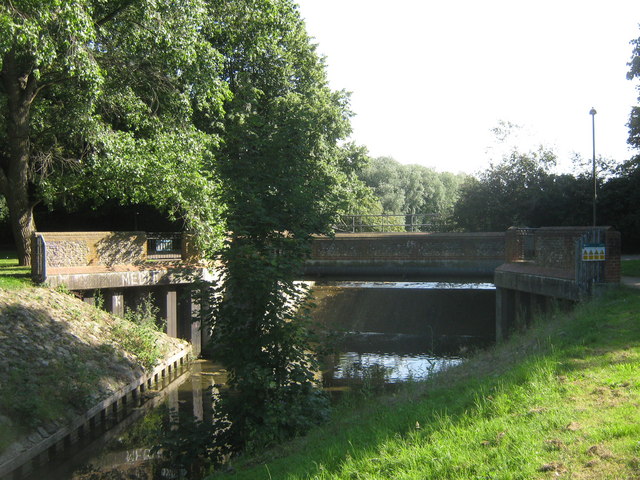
596 252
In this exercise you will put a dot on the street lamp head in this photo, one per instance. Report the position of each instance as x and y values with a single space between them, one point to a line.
592 111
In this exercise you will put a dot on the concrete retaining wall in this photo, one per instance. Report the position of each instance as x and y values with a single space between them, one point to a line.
18 459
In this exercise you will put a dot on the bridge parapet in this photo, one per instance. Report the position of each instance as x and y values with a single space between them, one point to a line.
440 254
557 252
90 260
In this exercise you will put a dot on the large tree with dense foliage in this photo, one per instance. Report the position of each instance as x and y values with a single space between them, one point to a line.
620 195
285 174
634 117
107 99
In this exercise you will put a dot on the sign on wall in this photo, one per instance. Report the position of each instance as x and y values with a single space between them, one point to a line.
594 252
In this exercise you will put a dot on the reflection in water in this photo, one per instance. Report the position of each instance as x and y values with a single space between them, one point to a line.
397 368
387 337
123 451
391 358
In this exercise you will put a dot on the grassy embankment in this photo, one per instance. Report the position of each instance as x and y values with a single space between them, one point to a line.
561 400
11 275
60 356
631 268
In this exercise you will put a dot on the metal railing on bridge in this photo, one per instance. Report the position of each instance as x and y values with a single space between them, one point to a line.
412 222
164 246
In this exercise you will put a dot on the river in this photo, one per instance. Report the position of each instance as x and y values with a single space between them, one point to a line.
376 336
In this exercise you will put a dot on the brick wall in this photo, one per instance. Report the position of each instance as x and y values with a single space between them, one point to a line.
612 264
558 248
415 246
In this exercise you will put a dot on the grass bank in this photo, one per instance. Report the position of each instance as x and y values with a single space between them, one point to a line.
630 268
561 400
13 276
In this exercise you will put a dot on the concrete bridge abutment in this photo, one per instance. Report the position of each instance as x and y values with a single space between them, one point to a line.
552 267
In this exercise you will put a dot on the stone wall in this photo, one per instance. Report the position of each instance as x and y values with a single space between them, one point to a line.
79 249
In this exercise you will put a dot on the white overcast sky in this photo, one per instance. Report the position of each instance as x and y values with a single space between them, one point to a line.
429 79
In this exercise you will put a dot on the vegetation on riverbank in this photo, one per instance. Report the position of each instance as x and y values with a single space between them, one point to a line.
631 268
59 356
13 276
560 400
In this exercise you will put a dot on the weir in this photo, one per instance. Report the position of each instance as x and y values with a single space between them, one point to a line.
438 311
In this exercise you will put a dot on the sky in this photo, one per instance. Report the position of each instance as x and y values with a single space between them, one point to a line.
430 79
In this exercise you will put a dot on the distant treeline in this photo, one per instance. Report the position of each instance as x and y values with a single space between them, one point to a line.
519 190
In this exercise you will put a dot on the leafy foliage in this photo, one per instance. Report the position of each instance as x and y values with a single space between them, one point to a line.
141 336
411 189
109 99
285 176
520 190
634 117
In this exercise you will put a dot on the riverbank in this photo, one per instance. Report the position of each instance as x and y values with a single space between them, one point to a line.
60 356
561 400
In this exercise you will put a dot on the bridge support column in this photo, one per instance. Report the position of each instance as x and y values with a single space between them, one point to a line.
169 310
89 297
524 313
114 302
205 307
505 312
195 322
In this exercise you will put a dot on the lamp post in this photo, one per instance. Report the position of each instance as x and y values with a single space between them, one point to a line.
593 136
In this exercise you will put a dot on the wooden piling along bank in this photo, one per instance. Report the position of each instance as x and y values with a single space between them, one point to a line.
14 466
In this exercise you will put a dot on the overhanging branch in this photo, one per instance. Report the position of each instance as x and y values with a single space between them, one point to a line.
113 14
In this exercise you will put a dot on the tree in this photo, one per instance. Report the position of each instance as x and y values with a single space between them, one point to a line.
411 189
509 193
106 99
632 74
284 176
619 197
383 175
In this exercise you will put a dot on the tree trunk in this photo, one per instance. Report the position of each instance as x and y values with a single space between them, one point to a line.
20 87
22 223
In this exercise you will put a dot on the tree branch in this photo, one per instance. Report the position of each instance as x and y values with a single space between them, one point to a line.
114 13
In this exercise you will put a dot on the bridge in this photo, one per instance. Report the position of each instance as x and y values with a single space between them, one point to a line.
407 254
531 268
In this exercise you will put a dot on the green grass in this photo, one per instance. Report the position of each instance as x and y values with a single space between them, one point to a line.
13 276
560 400
630 268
